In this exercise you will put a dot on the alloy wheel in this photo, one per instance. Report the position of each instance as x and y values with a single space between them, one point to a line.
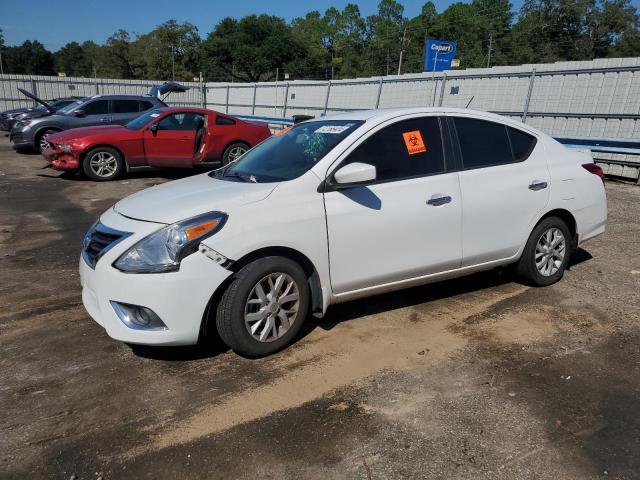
103 164
550 252
43 141
271 307
236 152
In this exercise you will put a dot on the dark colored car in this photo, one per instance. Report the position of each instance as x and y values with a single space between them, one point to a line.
163 137
96 110
9 117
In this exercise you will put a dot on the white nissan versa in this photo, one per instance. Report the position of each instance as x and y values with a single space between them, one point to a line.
334 209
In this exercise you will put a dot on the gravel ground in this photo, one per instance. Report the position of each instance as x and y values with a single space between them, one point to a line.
479 377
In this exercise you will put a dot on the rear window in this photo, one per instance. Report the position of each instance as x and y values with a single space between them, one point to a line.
225 121
483 143
125 106
522 144
145 105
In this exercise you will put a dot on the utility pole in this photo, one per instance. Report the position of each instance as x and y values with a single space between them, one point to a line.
388 59
489 53
173 65
402 45
275 105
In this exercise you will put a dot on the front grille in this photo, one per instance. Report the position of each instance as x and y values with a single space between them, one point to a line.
98 241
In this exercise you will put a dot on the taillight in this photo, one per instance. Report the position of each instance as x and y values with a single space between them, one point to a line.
595 169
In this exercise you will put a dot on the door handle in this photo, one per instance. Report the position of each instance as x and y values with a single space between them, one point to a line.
438 200
537 185
104 119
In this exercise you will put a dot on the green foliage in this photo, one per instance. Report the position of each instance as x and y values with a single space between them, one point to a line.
343 44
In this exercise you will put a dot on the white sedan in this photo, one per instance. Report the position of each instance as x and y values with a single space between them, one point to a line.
335 209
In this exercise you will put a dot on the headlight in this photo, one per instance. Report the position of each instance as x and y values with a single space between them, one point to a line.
21 123
162 251
65 147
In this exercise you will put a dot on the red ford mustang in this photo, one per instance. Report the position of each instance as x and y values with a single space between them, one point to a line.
164 137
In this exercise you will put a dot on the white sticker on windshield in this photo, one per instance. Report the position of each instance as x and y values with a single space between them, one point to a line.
332 128
154 115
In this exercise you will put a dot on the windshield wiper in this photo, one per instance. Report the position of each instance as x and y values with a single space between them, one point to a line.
244 178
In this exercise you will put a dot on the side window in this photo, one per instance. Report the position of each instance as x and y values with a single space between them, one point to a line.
184 121
99 107
409 148
124 106
482 143
145 105
521 143
225 121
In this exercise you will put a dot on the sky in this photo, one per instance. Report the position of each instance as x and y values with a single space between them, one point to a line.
55 23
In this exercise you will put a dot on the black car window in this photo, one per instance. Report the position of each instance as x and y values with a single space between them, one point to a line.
98 107
125 106
482 143
180 121
225 121
145 105
409 148
521 143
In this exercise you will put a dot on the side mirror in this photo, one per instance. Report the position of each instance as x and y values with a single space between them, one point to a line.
153 128
354 174
79 113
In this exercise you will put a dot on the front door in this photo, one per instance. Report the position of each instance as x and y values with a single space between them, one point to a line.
172 143
123 110
505 187
407 223
96 112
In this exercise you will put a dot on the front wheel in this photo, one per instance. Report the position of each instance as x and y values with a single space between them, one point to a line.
42 143
264 306
546 254
102 164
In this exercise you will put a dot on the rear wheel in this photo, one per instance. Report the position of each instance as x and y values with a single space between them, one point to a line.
546 254
102 164
234 152
264 306
41 141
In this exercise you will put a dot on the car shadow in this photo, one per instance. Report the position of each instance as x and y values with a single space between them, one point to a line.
166 174
212 346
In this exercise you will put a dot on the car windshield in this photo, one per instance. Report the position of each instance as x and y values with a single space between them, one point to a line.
70 107
290 152
139 122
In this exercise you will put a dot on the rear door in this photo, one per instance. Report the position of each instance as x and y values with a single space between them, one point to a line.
173 143
124 110
505 185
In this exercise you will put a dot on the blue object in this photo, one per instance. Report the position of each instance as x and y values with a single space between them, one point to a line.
438 55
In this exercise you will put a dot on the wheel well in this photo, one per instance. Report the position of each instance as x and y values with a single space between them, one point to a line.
36 137
231 143
298 257
92 147
567 217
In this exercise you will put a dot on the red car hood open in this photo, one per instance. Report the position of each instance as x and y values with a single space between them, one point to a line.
74 133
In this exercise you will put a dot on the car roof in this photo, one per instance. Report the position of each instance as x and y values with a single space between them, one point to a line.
383 114
123 97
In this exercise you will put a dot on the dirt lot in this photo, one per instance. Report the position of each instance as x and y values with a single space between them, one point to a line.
475 378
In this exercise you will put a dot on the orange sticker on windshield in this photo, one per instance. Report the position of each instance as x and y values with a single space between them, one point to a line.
282 132
413 141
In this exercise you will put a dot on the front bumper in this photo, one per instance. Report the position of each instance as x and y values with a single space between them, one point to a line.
180 298
19 140
60 160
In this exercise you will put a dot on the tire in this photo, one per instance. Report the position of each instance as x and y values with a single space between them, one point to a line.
550 266
103 164
233 152
41 143
240 307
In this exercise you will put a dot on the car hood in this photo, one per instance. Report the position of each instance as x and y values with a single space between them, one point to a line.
188 197
39 100
83 132
16 111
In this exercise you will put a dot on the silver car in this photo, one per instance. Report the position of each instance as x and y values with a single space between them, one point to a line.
31 133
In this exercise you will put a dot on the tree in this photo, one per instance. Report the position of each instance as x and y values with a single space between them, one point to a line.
30 58
72 60
168 51
249 49
384 36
